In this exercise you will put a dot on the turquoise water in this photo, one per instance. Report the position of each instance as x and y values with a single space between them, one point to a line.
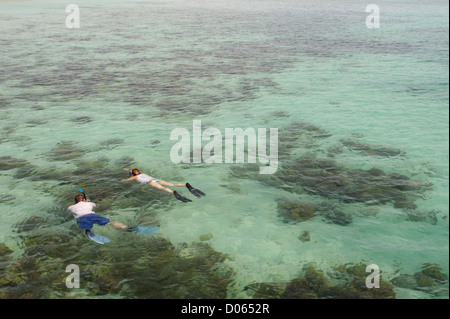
79 105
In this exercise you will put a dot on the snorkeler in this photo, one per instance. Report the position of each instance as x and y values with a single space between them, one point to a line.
160 184
86 218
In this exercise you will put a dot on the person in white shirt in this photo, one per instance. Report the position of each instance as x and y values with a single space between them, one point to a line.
83 212
161 184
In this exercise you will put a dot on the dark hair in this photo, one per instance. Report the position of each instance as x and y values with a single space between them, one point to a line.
78 198
135 172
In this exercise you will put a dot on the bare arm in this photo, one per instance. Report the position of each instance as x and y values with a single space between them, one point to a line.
129 179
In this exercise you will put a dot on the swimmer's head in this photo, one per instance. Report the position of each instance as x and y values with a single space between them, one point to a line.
79 198
135 172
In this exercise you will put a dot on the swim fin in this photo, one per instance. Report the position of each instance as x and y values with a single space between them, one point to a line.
144 230
195 191
179 197
97 238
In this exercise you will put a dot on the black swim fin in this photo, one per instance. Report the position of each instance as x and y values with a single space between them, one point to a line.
179 197
195 191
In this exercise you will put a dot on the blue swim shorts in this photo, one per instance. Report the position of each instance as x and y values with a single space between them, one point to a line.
88 221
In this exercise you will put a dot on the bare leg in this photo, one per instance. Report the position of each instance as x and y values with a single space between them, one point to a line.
168 190
160 187
164 183
117 225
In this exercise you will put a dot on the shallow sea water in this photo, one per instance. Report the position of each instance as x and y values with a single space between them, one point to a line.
112 91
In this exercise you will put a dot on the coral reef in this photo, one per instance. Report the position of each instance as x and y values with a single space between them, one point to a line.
423 216
375 150
430 279
148 268
313 284
5 251
135 267
324 177
9 162
64 151
30 223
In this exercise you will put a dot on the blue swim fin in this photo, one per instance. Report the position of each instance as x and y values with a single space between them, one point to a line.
97 238
145 230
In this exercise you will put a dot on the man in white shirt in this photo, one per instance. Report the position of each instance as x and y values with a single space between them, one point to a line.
86 218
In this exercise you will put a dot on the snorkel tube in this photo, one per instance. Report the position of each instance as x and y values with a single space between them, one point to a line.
84 195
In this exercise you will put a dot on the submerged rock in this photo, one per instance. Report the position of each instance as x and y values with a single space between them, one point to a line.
405 281
338 217
296 211
434 271
423 280
352 269
155 142
305 236
206 237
